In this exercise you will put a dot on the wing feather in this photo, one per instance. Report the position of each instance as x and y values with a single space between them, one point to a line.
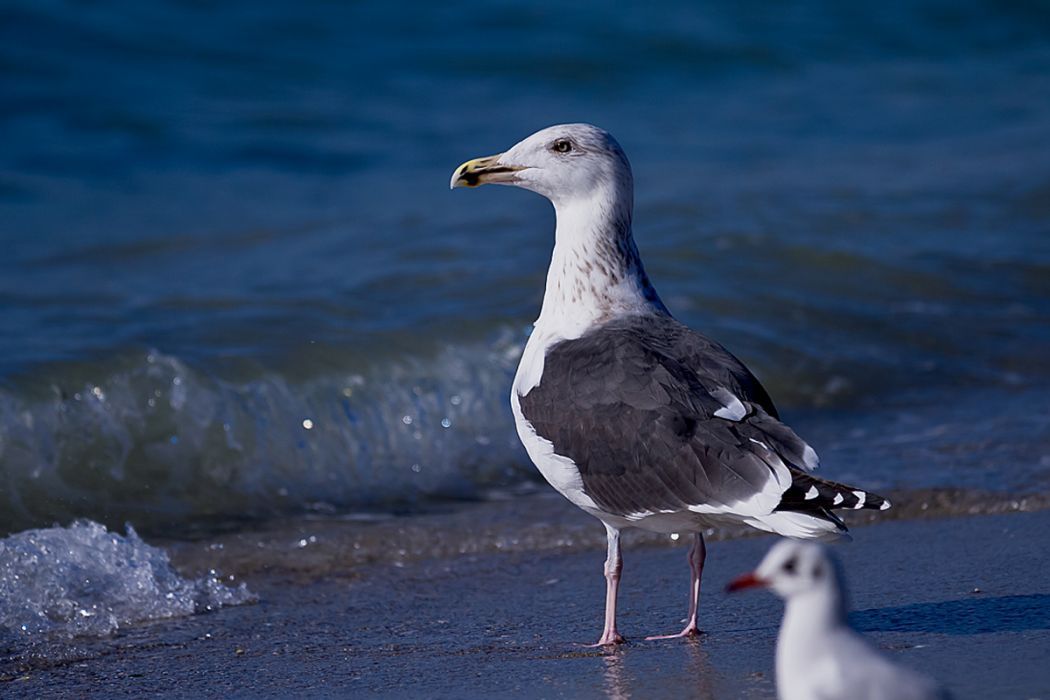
657 417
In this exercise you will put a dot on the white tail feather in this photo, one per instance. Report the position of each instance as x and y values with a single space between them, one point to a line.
798 525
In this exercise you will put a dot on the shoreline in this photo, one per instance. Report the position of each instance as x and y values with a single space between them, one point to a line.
510 621
542 522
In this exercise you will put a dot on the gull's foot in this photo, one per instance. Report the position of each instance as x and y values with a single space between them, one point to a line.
689 631
608 639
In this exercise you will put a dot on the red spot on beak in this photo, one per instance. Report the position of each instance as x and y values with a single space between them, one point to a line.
745 581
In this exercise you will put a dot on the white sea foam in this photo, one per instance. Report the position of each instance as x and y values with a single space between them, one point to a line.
85 580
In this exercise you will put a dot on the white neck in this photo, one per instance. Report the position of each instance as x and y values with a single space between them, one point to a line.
595 273
811 619
819 609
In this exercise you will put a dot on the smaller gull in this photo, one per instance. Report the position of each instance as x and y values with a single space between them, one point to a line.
819 656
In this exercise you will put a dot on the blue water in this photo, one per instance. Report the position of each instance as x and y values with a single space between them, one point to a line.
225 222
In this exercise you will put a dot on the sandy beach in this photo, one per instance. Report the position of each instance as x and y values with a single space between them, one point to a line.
963 598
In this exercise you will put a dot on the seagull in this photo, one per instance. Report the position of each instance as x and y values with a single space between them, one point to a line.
819 656
629 414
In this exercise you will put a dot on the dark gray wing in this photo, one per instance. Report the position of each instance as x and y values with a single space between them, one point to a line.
657 417
708 359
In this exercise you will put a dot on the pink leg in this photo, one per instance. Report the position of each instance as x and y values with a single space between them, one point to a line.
613 567
697 555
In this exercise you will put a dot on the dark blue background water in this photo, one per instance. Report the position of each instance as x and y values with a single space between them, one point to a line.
223 222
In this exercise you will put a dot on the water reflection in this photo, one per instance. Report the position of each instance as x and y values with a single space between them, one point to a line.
695 671
699 668
616 685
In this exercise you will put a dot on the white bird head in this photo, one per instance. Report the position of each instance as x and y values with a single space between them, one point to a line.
793 568
563 163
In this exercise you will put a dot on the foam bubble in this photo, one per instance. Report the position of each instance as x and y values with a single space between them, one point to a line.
86 580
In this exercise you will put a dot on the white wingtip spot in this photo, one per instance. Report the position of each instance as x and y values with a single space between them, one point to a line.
810 458
732 409
812 493
838 499
861 497
885 505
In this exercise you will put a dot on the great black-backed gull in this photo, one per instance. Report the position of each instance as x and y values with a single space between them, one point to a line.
633 417
819 656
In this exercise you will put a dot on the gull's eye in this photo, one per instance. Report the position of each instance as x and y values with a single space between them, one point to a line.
789 566
561 146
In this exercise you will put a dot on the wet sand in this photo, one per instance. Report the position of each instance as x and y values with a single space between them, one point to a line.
965 598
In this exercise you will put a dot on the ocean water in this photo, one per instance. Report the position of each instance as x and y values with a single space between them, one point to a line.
234 284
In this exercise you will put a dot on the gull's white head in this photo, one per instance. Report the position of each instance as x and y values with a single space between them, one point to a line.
563 163
793 568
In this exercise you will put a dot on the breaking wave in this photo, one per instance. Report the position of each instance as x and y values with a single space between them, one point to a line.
156 441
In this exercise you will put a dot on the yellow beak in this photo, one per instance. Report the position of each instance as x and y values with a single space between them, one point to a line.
483 171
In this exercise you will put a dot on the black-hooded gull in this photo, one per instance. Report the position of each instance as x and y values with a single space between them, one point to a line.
819 657
633 417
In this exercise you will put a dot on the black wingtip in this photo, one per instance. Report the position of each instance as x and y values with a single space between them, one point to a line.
808 492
